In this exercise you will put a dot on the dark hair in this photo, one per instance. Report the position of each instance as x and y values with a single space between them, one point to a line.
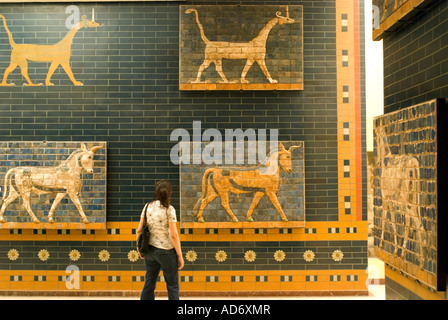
162 192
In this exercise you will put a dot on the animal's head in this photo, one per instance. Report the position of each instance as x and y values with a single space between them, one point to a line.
85 23
86 158
285 157
282 19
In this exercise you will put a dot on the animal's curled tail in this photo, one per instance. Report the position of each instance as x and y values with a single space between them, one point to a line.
11 41
204 38
205 177
7 183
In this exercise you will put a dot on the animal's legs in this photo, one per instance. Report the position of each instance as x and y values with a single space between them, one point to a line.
218 64
394 230
263 67
225 204
75 199
26 203
249 64
68 70
8 70
383 225
204 202
412 216
203 66
56 201
255 201
276 204
383 219
384 11
385 8
24 69
11 197
51 70
420 233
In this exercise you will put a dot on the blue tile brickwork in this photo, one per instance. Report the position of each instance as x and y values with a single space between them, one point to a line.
227 28
405 190
206 251
415 63
290 186
33 157
131 100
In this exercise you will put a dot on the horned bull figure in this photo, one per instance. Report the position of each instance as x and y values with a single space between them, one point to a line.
63 179
261 180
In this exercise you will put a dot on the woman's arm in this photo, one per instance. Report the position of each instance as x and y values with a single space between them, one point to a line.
139 230
176 243
140 227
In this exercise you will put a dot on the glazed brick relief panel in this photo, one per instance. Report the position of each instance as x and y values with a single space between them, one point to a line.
247 195
53 184
405 191
130 97
241 47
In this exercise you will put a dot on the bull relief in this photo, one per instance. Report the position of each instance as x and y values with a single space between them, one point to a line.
405 183
53 185
241 48
270 194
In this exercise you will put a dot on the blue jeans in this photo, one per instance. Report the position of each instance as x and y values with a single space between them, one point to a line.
166 260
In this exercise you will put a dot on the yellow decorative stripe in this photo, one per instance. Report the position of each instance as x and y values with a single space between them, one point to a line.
239 86
125 231
244 224
329 280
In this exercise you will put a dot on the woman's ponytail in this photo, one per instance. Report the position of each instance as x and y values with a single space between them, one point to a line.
162 192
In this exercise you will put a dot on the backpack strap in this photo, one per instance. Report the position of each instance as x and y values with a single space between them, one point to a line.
145 209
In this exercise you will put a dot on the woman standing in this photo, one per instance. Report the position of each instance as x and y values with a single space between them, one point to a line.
164 245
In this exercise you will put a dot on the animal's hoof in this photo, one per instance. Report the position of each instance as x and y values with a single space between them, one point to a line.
285 220
78 83
235 220
250 220
86 221
36 221
2 220
49 84
50 220
201 220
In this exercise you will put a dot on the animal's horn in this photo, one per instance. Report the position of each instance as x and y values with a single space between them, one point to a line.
293 148
95 149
